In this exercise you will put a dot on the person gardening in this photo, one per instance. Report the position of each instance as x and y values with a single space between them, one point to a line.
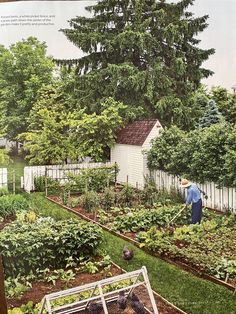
194 198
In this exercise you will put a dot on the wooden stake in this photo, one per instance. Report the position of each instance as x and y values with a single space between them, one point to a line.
14 181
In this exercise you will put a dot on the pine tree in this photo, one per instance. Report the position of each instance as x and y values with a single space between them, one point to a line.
211 116
141 52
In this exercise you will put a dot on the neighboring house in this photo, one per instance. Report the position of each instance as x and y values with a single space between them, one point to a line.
129 151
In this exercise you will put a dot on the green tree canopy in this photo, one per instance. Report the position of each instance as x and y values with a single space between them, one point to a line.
204 154
142 52
57 133
24 69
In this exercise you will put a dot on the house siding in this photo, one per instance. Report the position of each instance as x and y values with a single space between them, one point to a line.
130 161
148 144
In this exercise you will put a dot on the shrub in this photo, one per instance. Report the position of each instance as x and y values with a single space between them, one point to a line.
10 204
28 247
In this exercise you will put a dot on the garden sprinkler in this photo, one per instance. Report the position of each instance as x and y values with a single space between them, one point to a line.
182 209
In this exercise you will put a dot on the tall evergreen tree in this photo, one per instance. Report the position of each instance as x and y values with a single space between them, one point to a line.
142 52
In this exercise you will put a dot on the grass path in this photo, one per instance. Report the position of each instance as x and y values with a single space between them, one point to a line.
191 294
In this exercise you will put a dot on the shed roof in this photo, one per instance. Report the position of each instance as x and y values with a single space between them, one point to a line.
136 133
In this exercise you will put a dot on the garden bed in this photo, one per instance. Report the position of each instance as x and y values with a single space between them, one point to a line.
131 236
40 289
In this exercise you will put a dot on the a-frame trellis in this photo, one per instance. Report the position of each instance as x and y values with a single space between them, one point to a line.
104 292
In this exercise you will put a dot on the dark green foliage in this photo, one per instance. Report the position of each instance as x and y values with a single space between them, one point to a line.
206 154
46 244
211 116
226 102
146 55
10 204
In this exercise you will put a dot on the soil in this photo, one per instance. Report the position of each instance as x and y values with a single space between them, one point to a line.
40 289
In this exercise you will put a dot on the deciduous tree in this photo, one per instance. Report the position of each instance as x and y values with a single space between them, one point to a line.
24 69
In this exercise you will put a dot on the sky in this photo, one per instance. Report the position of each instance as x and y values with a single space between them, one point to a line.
43 19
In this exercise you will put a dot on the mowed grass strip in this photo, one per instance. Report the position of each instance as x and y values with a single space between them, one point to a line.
190 293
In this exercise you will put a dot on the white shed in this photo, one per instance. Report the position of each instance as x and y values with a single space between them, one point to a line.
130 149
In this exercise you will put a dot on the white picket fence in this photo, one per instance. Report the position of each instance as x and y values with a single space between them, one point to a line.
3 177
57 172
223 199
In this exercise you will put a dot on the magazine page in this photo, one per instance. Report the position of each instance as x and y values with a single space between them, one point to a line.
118 157
43 20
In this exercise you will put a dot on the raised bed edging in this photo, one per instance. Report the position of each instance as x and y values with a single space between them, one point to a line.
137 244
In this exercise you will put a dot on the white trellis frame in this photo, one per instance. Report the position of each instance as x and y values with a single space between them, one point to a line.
140 278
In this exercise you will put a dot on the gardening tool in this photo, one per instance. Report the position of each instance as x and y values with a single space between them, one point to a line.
182 209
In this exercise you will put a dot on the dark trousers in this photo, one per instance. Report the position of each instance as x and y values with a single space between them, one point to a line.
197 212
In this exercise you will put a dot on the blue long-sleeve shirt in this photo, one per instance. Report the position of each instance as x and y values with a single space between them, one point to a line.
193 194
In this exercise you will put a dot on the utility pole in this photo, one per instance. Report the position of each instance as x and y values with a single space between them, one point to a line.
3 302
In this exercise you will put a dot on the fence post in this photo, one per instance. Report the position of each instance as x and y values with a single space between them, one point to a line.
116 170
46 182
3 303
14 181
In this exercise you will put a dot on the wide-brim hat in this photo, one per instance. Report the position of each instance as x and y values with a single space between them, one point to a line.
185 183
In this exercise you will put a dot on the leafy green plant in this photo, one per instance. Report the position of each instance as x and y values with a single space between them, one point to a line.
96 179
10 204
126 196
4 191
39 183
16 287
226 269
49 244
108 198
89 201
149 194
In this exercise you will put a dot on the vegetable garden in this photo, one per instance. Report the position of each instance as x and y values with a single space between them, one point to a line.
45 253
145 216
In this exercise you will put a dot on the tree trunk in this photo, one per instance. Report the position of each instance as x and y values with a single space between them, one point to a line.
3 303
